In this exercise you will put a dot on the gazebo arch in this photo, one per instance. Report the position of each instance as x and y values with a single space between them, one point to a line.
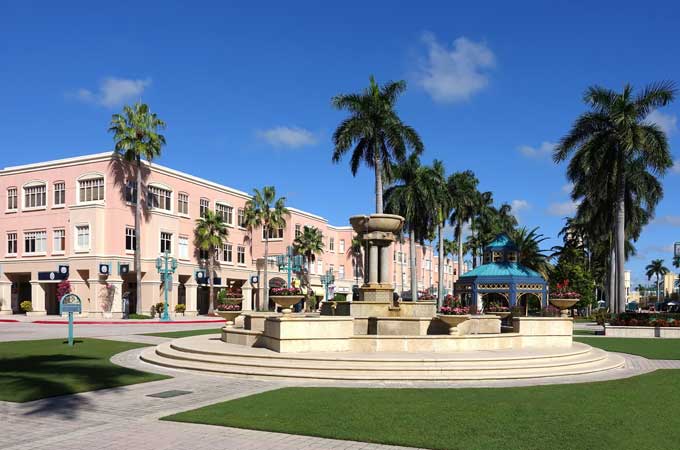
503 274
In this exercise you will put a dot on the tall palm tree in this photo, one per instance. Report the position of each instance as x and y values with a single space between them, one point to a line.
309 244
211 233
656 268
264 211
463 192
414 197
528 244
374 132
616 130
676 264
443 211
136 133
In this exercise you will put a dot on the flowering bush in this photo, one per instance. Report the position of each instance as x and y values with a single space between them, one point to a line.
645 320
424 295
562 291
495 307
228 307
454 310
231 293
286 291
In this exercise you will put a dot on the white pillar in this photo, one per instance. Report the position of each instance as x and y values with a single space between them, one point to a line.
117 301
190 288
247 291
5 296
37 299
373 263
384 267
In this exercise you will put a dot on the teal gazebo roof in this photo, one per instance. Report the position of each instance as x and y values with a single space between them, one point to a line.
502 269
502 242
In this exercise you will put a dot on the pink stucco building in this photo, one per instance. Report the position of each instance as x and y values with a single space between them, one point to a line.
75 214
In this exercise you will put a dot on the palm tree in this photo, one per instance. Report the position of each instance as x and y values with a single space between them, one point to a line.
374 132
356 248
211 233
309 244
463 191
443 211
415 198
616 130
136 136
656 268
528 244
267 212
676 264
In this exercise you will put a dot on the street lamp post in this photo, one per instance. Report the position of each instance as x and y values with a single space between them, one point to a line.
290 262
327 279
166 266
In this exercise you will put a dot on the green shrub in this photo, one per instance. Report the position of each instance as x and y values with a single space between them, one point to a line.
138 316
26 306
180 308
602 316
158 308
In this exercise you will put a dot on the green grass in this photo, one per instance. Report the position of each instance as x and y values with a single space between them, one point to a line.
30 370
584 332
649 348
180 334
559 417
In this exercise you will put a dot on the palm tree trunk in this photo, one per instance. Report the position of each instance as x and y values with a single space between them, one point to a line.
613 307
440 264
459 236
211 282
265 294
138 235
620 243
412 265
658 293
378 186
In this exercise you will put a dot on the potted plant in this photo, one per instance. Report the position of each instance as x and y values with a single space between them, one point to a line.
497 310
26 306
453 313
229 304
286 297
180 308
563 298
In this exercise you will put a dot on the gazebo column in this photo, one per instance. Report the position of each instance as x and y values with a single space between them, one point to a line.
512 300
544 296
475 301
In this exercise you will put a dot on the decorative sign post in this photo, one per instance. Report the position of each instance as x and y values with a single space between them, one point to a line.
70 303
290 262
166 266
327 280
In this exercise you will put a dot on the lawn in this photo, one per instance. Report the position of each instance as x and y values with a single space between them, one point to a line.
584 332
30 370
649 348
181 334
578 416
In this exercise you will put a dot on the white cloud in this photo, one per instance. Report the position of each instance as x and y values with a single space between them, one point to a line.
676 166
567 188
673 221
667 122
567 208
519 205
114 92
545 149
291 137
454 74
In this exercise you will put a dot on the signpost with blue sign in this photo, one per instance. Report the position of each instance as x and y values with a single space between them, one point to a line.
70 303
166 266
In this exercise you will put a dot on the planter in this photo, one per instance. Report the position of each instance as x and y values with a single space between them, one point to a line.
501 314
286 301
563 304
376 222
232 300
229 316
453 321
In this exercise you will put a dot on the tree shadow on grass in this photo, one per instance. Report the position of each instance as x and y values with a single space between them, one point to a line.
53 379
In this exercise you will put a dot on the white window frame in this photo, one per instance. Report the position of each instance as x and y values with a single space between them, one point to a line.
298 230
228 246
16 244
61 239
241 250
183 243
150 194
16 199
341 246
240 217
130 187
183 199
228 211
76 246
203 203
62 185
35 233
341 272
273 239
331 244
32 184
160 240
90 177
133 238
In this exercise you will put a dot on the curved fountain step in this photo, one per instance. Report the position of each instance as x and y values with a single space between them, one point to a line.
404 365
579 360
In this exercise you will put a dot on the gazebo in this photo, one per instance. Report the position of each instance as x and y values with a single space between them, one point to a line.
502 275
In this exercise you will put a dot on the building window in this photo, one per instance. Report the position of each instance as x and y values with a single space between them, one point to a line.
35 196
59 194
298 230
82 237
11 243
203 254
331 268
131 192
91 190
130 239
319 267
241 254
227 253
241 218
274 233
341 272
35 242
183 245
204 206
160 198
59 244
342 246
12 203
183 203
166 242
331 244
226 212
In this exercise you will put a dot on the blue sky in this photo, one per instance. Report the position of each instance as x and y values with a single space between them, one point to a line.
246 90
